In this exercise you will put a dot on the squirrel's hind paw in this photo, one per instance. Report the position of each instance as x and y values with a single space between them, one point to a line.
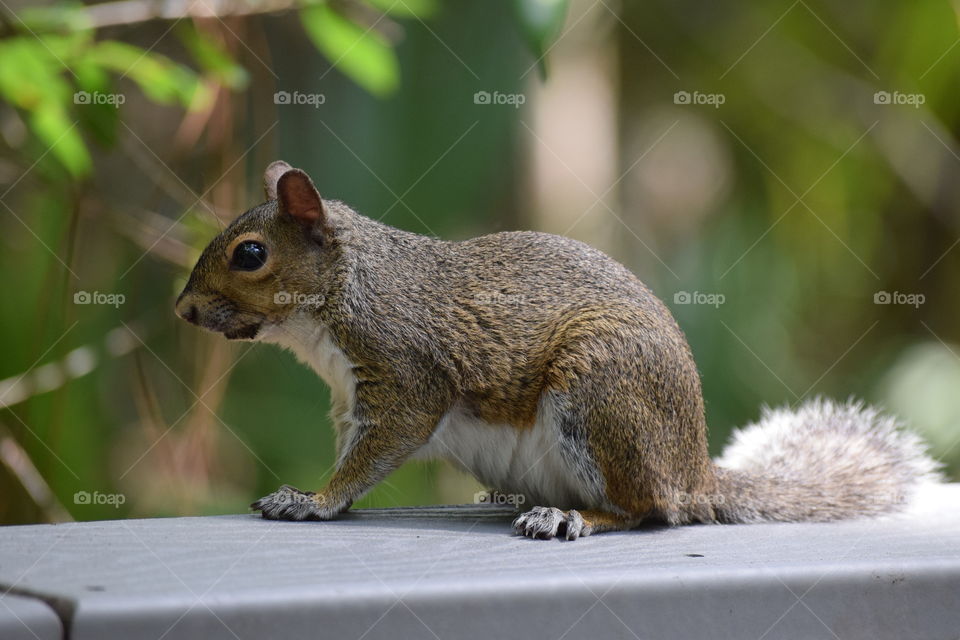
544 523
289 503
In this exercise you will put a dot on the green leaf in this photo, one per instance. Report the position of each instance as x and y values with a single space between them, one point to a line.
213 58
541 22
26 73
418 8
91 77
30 78
64 49
50 123
363 55
161 79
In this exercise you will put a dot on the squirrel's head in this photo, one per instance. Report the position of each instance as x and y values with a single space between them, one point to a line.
268 264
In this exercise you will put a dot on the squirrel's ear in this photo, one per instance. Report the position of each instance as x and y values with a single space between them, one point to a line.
271 176
299 199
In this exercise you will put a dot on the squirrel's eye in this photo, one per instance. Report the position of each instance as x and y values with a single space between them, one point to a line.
248 256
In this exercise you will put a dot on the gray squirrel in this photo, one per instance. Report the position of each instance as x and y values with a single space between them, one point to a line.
532 361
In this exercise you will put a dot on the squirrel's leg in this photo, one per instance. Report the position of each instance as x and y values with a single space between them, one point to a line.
635 422
383 431
547 522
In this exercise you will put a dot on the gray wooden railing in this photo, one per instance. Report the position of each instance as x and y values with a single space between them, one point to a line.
454 572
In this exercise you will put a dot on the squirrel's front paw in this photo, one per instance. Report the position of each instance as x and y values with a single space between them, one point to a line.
546 522
289 503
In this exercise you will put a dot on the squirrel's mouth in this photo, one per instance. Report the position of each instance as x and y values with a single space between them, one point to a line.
246 332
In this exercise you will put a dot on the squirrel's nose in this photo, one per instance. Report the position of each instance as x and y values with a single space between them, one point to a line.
187 310
190 315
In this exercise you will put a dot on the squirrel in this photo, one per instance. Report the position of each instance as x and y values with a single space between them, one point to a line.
532 361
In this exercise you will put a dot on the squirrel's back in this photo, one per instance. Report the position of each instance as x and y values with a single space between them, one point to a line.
532 270
546 268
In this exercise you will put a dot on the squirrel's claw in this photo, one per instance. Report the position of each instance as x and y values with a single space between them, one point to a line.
544 523
289 503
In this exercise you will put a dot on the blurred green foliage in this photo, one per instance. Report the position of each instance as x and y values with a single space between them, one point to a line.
124 146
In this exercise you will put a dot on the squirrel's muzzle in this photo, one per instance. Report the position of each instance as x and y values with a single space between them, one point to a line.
218 315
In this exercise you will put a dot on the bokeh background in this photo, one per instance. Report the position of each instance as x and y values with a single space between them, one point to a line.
784 175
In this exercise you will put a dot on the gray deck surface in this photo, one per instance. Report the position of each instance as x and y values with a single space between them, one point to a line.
455 572
27 619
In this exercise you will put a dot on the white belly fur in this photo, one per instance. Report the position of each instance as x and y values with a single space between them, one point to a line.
524 461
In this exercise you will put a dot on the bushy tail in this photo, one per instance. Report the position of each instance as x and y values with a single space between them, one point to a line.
822 461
